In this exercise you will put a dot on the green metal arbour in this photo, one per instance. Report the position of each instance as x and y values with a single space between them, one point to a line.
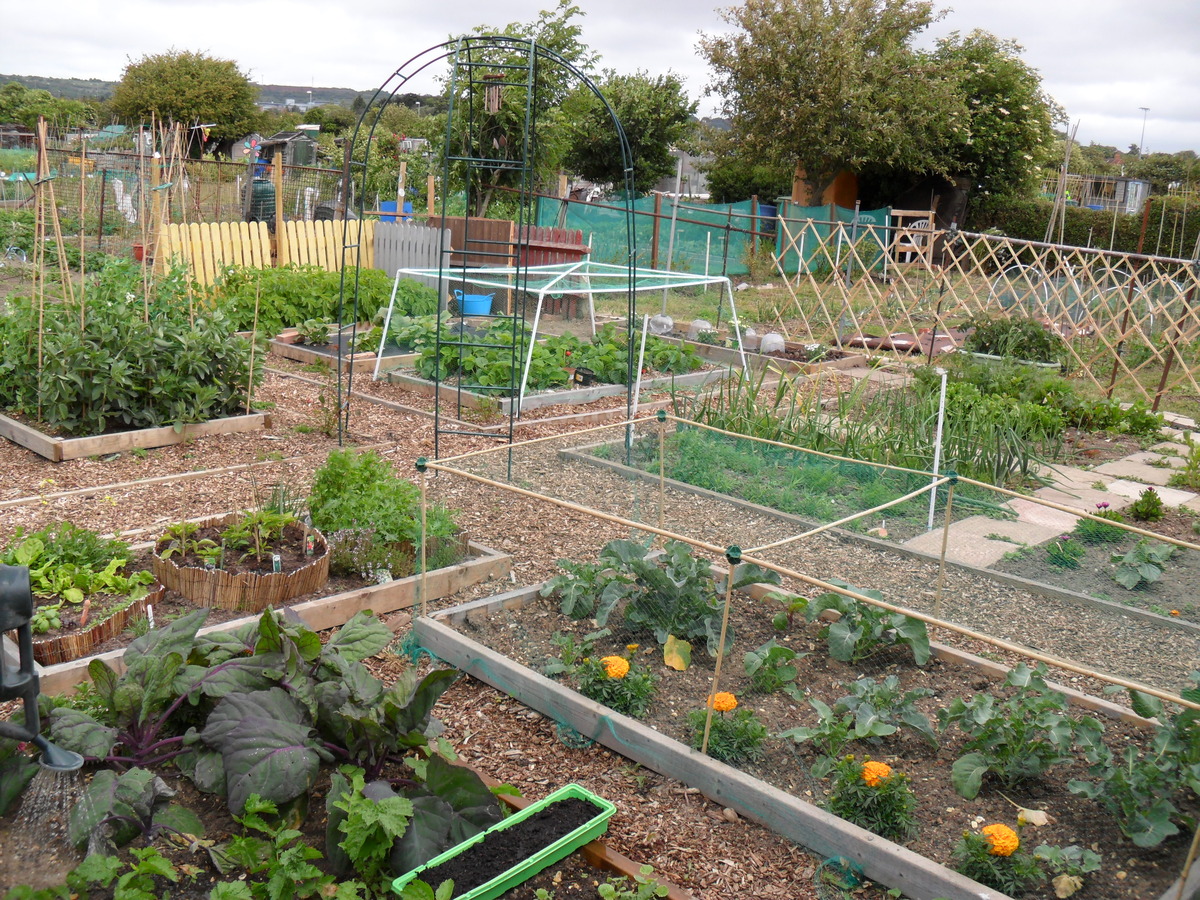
475 148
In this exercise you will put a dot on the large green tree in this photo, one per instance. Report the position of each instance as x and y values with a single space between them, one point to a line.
1007 138
191 89
828 85
500 135
23 105
654 112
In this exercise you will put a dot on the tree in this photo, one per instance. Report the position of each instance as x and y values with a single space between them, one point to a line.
654 112
828 85
734 175
191 89
1008 135
24 105
500 133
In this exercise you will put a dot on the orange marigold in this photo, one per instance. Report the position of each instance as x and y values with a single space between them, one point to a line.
1003 840
615 666
874 772
723 701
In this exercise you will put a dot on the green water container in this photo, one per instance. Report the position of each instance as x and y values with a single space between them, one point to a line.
261 204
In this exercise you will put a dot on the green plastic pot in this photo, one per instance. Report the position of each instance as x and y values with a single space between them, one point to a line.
509 879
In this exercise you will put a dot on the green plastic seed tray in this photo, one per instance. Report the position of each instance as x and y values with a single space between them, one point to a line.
564 846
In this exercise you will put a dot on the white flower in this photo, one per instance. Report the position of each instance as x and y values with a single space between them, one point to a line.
1003 111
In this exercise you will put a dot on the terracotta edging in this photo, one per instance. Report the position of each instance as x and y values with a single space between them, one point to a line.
324 612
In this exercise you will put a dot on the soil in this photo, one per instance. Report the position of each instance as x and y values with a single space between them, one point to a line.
499 852
529 636
800 354
1176 594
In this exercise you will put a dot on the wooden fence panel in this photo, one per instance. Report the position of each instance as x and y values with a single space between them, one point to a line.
543 245
408 245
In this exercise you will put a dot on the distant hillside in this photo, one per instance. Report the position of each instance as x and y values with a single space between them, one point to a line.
95 89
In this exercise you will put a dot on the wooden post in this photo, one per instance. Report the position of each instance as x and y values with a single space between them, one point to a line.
280 238
400 182
1112 380
429 188
657 229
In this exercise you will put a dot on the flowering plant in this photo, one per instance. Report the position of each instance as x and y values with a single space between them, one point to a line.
1092 532
873 796
618 682
995 857
730 738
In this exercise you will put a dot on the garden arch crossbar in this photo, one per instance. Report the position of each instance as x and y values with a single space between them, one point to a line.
480 145
584 278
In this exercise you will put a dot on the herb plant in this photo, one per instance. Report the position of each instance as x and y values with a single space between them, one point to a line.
1065 552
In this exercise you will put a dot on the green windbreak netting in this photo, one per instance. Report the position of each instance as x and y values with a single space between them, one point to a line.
818 239
708 239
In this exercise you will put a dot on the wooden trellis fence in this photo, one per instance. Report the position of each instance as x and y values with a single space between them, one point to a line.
1128 323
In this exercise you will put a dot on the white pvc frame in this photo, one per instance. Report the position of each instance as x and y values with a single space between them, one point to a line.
494 277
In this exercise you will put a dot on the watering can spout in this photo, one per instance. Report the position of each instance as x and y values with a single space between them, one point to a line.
56 759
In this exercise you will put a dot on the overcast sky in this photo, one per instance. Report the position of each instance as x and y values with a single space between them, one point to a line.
1101 59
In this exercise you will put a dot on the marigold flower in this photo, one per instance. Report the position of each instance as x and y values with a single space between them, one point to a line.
615 666
631 648
723 701
1003 840
874 772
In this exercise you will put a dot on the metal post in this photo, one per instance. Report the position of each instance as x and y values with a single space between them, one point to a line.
937 446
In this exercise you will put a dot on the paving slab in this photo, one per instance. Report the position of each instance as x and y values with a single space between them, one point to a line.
1179 421
1083 498
1072 476
1135 471
1160 460
1169 496
1036 514
1171 447
968 542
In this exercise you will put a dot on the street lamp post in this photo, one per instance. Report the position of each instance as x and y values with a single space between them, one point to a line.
1142 143
307 108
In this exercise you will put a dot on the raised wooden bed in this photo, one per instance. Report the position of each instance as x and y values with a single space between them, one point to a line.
328 612
882 861
450 393
57 449
285 346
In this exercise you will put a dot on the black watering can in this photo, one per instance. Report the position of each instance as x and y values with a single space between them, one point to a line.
16 609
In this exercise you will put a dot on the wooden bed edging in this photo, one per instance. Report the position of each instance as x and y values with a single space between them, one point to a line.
882 861
58 449
323 612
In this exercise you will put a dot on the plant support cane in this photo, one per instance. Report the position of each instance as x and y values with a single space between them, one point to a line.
422 469
937 596
733 556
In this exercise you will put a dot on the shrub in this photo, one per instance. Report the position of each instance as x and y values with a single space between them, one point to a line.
370 515
1018 337
121 361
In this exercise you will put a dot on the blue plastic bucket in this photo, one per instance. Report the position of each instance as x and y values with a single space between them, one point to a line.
474 304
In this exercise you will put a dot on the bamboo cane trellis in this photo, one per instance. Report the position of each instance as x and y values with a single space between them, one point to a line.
1128 323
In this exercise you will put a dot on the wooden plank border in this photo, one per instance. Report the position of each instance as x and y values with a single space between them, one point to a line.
324 612
882 861
59 449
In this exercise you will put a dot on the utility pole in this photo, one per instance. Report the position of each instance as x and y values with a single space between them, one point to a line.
1142 143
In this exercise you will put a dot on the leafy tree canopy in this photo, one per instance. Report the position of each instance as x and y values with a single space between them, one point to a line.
1008 136
23 105
499 135
188 88
834 84
734 175
655 114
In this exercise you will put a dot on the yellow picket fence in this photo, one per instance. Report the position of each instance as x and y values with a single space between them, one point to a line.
207 248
